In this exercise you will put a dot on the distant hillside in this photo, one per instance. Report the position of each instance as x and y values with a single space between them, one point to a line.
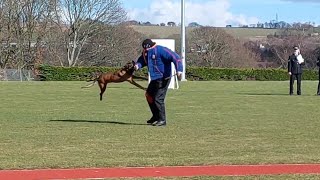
158 31
167 31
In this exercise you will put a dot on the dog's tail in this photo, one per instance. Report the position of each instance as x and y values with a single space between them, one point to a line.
91 84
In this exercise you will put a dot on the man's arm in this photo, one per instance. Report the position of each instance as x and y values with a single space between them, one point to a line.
174 58
141 62
289 65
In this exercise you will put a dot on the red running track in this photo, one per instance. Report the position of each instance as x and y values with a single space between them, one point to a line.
174 171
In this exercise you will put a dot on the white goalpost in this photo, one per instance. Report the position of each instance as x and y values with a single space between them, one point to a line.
169 43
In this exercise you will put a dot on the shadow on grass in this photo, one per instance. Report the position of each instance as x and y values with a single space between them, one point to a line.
265 94
273 94
111 87
100 122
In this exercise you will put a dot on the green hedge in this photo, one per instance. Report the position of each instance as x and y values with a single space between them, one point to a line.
54 73
51 73
209 74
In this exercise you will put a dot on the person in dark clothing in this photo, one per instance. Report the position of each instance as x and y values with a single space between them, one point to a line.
318 64
158 59
295 63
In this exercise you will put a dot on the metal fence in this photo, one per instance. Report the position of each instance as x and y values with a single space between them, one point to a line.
16 75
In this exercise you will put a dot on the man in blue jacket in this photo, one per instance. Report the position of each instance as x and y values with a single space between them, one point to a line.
158 59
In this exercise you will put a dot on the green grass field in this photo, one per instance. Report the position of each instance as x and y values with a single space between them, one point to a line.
59 125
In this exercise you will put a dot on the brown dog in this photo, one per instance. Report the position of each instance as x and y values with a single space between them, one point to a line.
124 74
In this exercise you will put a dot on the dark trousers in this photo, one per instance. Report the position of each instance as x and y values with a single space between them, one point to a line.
318 92
298 78
156 93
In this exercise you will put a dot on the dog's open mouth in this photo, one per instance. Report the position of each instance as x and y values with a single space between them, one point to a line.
129 65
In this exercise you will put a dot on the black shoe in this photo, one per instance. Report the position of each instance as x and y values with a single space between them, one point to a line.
151 121
160 123
291 94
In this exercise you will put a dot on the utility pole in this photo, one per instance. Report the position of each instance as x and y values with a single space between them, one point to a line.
183 40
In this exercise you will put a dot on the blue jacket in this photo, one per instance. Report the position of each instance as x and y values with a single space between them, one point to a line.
158 59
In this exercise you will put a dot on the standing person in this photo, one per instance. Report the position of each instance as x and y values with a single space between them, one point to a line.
295 63
158 60
318 64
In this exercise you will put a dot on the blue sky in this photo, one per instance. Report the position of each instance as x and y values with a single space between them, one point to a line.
223 12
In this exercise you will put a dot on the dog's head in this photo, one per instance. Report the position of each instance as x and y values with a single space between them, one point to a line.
128 66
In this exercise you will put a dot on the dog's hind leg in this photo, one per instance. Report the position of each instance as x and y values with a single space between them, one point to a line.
137 85
103 88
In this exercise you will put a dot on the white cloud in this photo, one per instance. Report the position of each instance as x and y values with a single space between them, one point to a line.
303 1
212 12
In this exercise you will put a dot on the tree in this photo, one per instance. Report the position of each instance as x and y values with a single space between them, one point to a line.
112 46
147 23
25 23
282 47
171 23
213 47
194 24
3 49
55 49
81 19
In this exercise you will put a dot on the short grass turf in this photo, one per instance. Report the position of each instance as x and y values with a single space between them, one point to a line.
60 125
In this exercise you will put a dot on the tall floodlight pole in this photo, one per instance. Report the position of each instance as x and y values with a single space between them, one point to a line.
183 40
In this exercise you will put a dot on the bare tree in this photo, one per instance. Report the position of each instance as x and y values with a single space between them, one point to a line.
112 46
213 47
25 23
208 44
80 18
282 48
6 32
275 50
55 51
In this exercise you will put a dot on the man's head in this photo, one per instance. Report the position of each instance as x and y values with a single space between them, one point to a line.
296 50
147 43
